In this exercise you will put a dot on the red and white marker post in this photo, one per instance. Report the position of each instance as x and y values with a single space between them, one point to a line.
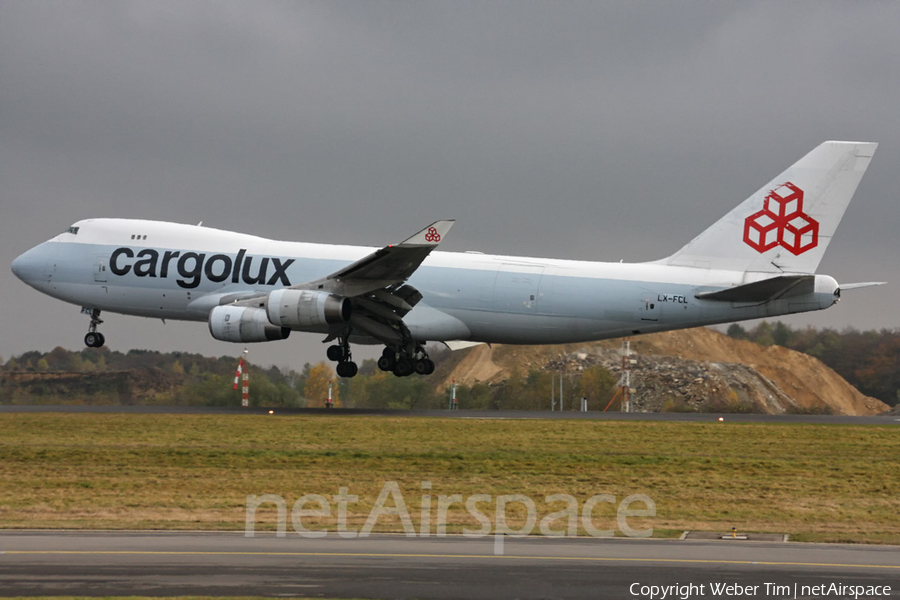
243 374
454 404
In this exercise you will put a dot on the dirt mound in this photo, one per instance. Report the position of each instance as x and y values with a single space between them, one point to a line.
476 365
806 379
692 369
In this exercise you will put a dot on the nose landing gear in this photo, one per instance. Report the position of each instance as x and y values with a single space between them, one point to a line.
93 338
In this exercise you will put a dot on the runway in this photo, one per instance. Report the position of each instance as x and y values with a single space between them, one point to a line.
395 566
463 414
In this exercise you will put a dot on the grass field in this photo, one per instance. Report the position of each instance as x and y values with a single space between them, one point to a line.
814 482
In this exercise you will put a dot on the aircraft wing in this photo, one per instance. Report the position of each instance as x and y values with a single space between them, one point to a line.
376 284
385 267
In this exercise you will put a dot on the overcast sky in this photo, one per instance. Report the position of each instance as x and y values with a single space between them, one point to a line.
585 130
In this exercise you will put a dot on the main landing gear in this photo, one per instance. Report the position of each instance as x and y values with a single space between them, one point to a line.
402 363
94 339
340 353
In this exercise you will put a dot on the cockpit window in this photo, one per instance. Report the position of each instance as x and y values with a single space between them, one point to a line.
73 230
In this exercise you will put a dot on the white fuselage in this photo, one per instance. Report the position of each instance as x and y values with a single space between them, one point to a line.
174 271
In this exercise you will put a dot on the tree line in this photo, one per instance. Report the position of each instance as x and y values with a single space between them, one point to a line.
868 360
178 378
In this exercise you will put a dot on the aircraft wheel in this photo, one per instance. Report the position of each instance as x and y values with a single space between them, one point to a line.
386 363
102 340
347 369
334 353
403 367
422 366
93 340
430 366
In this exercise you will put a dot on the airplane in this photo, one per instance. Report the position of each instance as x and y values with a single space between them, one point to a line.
759 260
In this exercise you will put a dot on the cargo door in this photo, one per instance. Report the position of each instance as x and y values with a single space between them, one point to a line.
516 288
100 269
650 309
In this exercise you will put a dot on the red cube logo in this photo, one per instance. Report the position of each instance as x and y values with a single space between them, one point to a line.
761 231
782 222
785 201
799 234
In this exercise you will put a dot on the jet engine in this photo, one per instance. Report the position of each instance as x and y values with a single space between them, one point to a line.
244 325
300 309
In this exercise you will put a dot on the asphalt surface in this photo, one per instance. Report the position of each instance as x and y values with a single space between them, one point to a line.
395 566
463 414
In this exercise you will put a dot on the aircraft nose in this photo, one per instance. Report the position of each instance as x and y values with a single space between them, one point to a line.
28 266
17 267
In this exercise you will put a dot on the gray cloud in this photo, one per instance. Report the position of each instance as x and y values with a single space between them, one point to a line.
587 130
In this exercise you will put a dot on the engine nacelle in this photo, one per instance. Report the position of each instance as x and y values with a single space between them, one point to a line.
244 325
300 309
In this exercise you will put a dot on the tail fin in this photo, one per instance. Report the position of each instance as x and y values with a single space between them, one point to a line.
786 226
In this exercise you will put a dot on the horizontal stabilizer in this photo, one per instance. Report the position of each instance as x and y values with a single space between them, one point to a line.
856 286
765 290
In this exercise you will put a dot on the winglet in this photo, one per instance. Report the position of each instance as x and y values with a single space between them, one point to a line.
431 235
